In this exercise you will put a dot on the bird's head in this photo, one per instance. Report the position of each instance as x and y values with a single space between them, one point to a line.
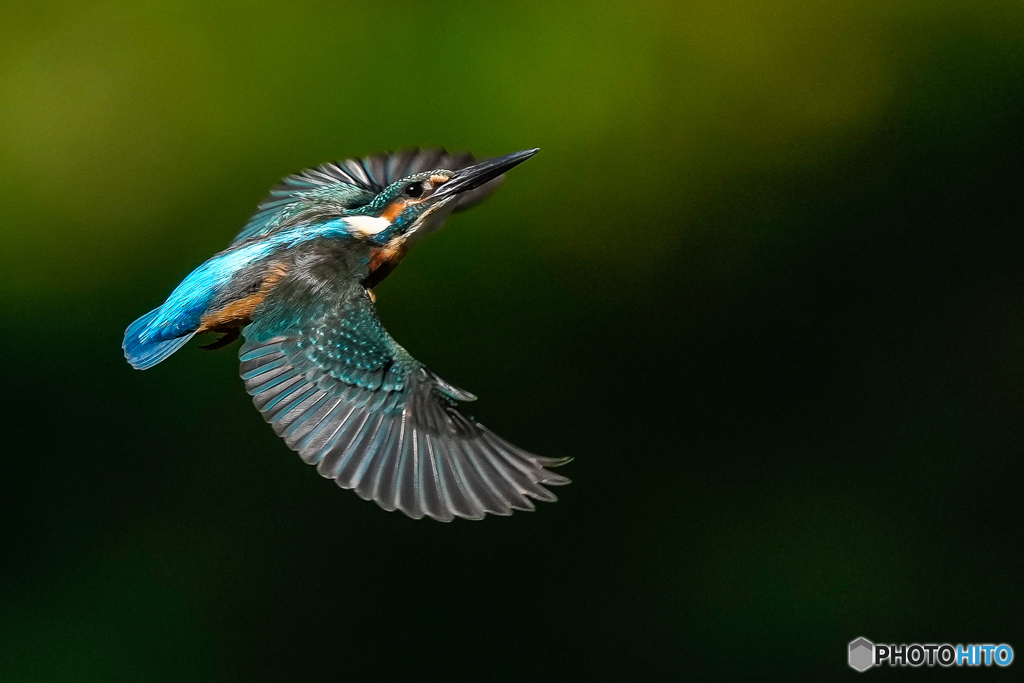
407 206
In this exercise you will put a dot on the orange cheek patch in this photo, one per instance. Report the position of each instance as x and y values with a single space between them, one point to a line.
393 211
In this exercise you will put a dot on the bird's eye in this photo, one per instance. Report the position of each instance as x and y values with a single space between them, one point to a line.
414 189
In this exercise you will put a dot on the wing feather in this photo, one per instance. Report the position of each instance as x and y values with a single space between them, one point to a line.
342 393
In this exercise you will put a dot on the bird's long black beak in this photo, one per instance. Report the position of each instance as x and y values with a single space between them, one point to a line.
474 176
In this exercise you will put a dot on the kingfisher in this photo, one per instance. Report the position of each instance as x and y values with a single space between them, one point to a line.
296 284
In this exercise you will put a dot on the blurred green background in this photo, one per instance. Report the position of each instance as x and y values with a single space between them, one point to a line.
763 281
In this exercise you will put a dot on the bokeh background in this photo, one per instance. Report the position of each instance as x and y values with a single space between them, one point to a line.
763 281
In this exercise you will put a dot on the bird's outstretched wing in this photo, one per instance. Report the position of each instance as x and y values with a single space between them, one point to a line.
356 405
348 184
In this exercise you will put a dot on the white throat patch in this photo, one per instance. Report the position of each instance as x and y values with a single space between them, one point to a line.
368 225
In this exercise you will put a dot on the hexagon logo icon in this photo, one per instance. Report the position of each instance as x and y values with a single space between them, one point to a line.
862 654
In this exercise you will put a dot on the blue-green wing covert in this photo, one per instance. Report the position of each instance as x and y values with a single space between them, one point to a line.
355 404
348 184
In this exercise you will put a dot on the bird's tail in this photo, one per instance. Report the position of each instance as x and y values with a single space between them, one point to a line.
143 348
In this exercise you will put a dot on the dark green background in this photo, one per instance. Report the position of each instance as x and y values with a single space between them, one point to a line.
763 282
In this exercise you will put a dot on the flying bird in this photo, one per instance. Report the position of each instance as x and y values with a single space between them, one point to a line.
296 285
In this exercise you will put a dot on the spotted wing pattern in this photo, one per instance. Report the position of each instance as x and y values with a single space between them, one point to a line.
356 405
338 186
